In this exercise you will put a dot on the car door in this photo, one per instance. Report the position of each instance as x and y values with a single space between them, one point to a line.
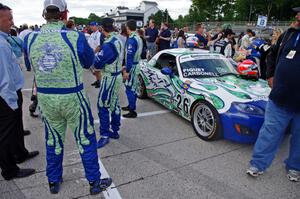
159 84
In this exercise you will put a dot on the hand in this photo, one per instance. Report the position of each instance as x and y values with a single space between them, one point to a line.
270 82
125 75
97 49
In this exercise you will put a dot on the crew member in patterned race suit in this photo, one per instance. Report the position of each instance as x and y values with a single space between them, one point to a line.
134 49
109 60
57 57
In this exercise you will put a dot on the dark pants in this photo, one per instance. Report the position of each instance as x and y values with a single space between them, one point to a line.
8 134
20 152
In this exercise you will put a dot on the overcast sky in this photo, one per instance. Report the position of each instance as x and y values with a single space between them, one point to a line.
30 11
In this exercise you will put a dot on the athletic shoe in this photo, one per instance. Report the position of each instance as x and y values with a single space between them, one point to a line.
54 187
254 172
100 185
95 83
125 108
102 142
114 135
131 114
293 175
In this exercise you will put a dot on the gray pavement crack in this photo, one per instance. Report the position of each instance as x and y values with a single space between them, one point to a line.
147 147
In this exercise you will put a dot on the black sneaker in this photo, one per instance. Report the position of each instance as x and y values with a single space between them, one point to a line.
26 132
95 83
131 114
54 187
99 186
125 108
98 85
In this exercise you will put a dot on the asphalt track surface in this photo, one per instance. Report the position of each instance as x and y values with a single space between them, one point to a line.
157 156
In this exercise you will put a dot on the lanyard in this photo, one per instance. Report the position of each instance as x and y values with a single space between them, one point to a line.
297 39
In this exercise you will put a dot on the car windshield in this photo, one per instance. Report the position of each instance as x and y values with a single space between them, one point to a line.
202 66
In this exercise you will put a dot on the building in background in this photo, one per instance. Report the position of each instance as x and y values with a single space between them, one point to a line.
141 13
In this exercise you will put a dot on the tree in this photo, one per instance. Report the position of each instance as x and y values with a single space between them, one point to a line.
86 21
161 16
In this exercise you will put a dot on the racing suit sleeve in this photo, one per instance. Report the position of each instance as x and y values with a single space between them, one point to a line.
107 55
272 57
25 50
131 49
85 52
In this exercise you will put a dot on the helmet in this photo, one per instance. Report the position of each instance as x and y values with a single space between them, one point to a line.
248 69
192 42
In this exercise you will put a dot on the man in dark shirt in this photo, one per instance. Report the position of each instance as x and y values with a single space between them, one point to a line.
151 35
203 40
283 106
164 36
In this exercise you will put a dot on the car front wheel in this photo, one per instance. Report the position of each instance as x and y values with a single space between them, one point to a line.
206 121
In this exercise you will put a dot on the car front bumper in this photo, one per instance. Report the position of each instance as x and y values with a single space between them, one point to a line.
242 127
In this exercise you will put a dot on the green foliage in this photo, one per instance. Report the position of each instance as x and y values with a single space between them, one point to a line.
161 16
238 10
86 21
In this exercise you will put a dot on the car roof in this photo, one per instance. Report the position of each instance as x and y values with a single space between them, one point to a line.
183 51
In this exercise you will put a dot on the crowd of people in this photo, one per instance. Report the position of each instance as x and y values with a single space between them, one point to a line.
58 52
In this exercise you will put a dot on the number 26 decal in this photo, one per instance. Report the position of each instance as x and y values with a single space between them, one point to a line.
182 103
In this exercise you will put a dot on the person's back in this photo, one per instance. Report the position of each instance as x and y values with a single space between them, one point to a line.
57 56
54 51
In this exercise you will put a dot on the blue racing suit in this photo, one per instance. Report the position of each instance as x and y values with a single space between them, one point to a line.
57 57
134 48
110 61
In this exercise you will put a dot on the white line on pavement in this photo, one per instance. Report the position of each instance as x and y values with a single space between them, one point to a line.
143 114
110 193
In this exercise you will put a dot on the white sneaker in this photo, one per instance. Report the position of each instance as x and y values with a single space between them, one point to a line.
293 175
254 172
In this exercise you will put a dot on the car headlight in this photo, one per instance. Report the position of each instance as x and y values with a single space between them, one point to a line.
249 108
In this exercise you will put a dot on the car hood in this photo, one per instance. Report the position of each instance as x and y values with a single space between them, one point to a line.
230 89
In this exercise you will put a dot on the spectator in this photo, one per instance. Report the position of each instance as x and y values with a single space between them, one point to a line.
144 50
12 81
70 25
181 43
151 35
94 42
16 44
283 106
202 38
123 36
224 46
164 36
24 32
245 42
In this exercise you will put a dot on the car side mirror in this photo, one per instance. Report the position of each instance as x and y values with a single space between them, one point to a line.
167 71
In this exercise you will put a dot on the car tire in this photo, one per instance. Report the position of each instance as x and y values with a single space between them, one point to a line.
206 121
141 90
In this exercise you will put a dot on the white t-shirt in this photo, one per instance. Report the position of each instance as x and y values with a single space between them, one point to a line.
228 49
245 42
23 34
94 40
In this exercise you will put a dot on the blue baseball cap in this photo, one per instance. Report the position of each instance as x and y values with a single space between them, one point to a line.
93 23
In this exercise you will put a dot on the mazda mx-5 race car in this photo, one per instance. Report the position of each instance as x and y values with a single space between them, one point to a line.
205 89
